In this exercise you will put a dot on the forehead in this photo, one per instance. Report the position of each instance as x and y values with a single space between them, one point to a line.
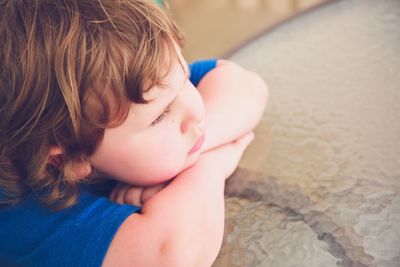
173 62
159 95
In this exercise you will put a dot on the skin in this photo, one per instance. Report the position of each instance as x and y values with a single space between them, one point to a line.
161 132
181 236
224 97
155 170
234 101
152 146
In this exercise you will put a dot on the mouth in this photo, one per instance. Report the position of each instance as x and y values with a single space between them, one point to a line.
198 144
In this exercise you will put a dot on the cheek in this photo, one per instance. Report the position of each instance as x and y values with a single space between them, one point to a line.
155 162
169 155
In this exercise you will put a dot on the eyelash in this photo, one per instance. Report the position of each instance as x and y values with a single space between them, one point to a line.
160 118
164 114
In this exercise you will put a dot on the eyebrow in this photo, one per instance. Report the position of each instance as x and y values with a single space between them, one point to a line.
186 69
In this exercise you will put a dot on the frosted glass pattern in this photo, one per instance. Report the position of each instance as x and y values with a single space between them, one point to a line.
320 185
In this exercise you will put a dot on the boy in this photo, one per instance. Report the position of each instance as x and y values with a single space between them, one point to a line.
102 85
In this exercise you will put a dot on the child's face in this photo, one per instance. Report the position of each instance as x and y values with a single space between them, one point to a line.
143 154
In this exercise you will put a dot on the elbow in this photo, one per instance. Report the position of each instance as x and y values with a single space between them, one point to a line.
260 87
183 252
171 256
260 93
262 90
254 83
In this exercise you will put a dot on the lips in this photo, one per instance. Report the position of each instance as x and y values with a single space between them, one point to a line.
198 144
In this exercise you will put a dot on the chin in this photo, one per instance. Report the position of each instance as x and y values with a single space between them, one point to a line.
168 175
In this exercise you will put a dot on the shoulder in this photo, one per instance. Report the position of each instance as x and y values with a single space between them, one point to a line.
199 68
85 231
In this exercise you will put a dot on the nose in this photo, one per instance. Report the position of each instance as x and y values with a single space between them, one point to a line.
192 110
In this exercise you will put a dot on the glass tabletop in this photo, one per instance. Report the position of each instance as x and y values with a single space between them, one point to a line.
320 185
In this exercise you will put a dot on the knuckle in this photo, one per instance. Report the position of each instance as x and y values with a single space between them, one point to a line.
132 196
129 197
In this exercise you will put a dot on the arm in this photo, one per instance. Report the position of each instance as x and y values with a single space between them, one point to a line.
179 226
234 100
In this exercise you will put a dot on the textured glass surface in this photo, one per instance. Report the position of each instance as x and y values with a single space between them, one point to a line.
320 185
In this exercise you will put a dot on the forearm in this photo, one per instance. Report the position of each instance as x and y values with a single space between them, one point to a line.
191 208
234 100
183 224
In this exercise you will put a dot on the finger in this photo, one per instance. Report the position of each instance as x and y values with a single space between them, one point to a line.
241 144
150 192
245 140
133 196
246 137
120 195
114 191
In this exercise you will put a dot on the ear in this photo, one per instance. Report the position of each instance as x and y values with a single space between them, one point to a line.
55 150
55 156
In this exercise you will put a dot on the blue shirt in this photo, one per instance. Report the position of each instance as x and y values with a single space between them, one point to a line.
33 235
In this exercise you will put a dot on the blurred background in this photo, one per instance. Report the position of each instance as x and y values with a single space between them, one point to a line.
320 183
213 28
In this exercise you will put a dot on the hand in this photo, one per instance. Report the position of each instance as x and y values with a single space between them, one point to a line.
225 158
234 99
124 193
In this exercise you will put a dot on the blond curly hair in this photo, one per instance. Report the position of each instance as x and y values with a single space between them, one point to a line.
70 69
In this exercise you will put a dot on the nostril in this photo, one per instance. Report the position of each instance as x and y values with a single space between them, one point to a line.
191 124
202 126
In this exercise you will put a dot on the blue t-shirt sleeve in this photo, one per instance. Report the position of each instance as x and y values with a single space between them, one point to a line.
199 69
31 235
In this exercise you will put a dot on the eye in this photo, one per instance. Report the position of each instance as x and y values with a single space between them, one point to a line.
160 118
